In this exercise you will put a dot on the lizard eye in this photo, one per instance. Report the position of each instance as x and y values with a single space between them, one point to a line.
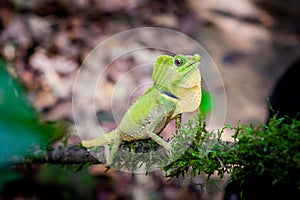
178 62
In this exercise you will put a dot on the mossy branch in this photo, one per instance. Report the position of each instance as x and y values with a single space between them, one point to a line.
271 148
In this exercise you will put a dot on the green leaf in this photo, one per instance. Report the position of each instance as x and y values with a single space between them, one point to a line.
20 125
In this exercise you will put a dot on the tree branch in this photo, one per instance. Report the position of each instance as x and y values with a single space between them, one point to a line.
73 155
77 154
69 155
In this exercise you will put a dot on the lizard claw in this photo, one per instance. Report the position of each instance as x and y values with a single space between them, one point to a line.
169 149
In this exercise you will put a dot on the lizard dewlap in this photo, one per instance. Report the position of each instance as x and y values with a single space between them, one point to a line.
176 89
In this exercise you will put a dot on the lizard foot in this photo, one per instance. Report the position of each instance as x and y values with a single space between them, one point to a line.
107 155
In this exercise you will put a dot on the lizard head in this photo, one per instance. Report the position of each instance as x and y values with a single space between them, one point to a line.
177 71
179 77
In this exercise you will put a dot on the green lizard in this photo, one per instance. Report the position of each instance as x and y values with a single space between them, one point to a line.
176 89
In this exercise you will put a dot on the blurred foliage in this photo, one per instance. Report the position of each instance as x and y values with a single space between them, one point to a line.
21 128
7 176
78 184
51 182
20 125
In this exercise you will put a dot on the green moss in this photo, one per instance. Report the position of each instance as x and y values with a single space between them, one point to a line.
268 150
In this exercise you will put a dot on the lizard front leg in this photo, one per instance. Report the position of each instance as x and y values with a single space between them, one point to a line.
159 119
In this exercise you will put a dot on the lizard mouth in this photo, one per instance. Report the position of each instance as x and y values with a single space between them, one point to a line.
191 67
193 64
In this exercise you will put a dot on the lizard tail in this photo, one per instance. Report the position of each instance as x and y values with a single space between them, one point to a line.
100 141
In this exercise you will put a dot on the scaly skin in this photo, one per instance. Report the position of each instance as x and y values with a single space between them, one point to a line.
176 89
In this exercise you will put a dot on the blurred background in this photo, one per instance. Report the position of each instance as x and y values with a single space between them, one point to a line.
43 42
